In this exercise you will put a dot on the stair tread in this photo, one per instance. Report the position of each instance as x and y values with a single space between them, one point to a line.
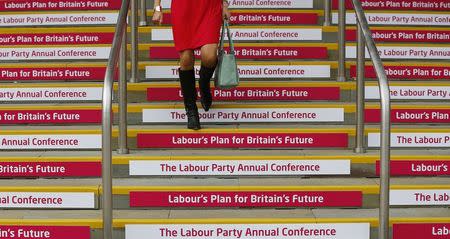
126 184
91 217
133 107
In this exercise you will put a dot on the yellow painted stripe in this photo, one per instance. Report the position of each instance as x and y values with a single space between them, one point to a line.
333 64
133 131
125 159
410 106
408 63
411 83
330 46
70 29
358 159
50 159
145 85
399 12
146 46
138 108
319 12
94 189
52 85
147 29
260 26
96 223
407 45
125 190
34 30
54 64
50 107
365 189
413 28
143 64
119 223
342 85
347 108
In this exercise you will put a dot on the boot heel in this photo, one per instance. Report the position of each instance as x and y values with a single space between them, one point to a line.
193 119
187 82
205 89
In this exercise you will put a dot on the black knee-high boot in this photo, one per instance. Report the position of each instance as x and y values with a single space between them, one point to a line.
205 89
187 82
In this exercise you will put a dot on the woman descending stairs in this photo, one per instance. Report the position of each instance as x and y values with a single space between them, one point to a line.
274 157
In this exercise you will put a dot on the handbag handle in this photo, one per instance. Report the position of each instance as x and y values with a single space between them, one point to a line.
226 27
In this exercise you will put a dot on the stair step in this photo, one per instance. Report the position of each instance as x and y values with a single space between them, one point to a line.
261 192
148 163
94 71
169 91
251 219
225 113
220 136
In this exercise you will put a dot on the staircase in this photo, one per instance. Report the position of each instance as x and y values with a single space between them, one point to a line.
275 156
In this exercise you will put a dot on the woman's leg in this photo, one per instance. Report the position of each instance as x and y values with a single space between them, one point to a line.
209 62
187 82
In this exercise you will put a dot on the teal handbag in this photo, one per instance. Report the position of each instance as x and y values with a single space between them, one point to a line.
227 75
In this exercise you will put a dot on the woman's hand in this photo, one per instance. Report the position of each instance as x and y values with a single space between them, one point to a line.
225 11
157 18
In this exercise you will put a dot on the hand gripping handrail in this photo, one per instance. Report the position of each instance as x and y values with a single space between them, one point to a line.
364 32
107 120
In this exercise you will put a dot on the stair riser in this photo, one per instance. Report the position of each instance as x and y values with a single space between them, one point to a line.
308 141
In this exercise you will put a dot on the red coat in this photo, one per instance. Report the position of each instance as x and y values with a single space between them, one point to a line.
196 23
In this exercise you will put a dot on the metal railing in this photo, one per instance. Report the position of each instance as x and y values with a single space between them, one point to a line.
341 76
119 34
365 36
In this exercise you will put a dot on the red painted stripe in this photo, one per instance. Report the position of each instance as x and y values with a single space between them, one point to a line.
56 38
50 116
417 168
253 93
252 53
410 5
47 232
404 36
251 18
34 5
242 140
421 231
247 199
53 73
50 169
410 115
408 72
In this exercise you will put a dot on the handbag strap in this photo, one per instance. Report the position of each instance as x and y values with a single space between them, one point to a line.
226 27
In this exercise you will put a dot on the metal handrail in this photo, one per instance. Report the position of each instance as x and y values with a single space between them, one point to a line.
364 30
107 120
341 76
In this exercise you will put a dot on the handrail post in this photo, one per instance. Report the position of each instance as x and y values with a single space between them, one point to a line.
327 13
107 203
341 42
360 98
143 14
385 139
123 114
134 42
385 171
